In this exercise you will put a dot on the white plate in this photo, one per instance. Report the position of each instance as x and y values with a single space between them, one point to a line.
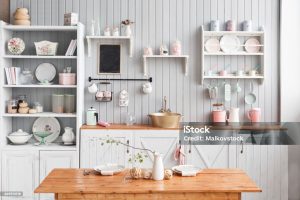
109 168
45 72
41 123
212 45
230 43
252 45
186 168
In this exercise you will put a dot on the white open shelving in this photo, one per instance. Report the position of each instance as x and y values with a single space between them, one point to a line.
8 121
91 38
184 57
260 35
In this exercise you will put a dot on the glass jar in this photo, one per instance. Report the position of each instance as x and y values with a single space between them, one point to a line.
130 119
38 107
69 103
26 77
57 103
12 106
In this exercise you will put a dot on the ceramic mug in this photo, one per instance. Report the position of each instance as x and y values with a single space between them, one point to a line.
148 51
215 25
252 73
223 73
247 25
254 114
231 25
209 73
93 88
240 73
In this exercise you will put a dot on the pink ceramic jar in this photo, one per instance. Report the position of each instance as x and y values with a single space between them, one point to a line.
254 114
219 116
67 78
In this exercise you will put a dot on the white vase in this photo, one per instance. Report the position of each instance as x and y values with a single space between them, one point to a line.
68 136
128 31
158 167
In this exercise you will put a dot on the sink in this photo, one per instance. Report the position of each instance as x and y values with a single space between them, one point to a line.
165 120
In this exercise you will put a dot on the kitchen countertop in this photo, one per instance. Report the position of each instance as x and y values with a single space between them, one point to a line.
244 126
208 184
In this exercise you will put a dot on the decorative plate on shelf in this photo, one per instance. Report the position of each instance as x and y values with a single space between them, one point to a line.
212 45
252 45
230 43
50 124
45 72
16 46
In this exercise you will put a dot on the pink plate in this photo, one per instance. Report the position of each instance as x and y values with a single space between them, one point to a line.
252 45
212 45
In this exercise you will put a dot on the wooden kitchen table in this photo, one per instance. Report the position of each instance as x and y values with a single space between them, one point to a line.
219 184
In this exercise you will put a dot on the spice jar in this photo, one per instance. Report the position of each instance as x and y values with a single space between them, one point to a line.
38 107
12 106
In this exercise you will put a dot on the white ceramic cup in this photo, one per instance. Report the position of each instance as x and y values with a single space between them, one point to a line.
209 73
93 88
252 73
240 73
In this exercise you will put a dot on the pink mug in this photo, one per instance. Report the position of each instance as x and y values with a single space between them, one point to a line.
254 114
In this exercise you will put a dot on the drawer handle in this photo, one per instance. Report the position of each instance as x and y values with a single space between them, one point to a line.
127 146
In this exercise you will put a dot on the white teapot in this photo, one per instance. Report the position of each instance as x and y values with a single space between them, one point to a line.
147 88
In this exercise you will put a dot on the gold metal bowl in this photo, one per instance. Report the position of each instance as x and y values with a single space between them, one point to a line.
165 120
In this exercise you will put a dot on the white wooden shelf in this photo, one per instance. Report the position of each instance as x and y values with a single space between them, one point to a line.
44 114
239 53
234 77
51 146
238 33
40 86
90 38
38 57
260 35
185 57
39 28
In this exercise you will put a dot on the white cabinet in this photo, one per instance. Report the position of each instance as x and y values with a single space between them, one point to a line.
55 159
20 170
95 151
163 142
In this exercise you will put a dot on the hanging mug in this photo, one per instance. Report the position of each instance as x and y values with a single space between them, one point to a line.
147 88
93 88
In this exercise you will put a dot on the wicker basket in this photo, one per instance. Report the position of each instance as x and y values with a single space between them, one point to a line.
46 48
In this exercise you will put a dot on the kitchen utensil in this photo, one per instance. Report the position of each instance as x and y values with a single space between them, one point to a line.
252 45
186 170
230 25
19 137
68 137
58 103
46 124
218 113
215 25
16 46
247 25
109 169
45 72
42 135
234 115
46 48
91 117
238 87
230 43
212 45
254 114
251 97
227 90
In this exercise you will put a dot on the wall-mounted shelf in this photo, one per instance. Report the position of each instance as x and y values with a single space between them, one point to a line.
39 28
44 114
184 57
40 86
260 35
38 57
90 38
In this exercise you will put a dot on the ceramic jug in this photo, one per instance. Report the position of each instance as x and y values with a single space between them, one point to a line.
68 136
234 115
158 167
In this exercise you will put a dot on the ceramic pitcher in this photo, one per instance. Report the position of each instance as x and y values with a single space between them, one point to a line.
158 167
68 136
234 115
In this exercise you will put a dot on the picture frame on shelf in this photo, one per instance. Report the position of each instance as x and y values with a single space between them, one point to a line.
109 58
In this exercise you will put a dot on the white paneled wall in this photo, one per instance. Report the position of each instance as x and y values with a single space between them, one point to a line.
163 21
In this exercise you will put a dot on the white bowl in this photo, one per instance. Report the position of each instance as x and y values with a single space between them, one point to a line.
19 139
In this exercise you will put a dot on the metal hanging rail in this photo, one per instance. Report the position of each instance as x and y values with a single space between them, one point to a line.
119 79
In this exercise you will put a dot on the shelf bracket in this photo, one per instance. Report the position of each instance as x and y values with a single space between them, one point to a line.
186 66
131 47
145 67
89 47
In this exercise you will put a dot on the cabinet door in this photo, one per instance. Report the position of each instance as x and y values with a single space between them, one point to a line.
163 142
20 171
95 151
55 159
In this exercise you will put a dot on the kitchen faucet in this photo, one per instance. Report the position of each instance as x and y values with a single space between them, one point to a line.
164 106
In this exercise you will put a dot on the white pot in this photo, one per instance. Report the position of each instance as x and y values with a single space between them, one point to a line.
68 136
158 167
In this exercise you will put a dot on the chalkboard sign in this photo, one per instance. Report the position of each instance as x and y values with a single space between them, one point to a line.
109 59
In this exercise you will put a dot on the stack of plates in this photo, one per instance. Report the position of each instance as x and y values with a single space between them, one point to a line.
186 170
